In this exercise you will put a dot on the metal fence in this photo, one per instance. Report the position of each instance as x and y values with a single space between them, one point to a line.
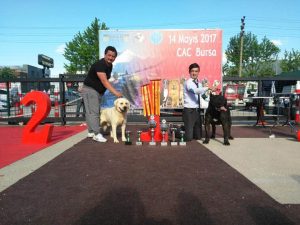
67 105
66 102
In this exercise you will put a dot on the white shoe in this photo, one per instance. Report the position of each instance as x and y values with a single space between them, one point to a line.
99 137
90 135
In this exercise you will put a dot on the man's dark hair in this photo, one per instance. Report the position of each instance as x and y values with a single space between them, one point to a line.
111 48
194 65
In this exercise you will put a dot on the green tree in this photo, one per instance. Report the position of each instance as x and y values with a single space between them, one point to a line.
83 50
6 72
230 70
291 61
258 58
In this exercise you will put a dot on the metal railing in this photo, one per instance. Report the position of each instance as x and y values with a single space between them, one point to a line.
71 107
69 100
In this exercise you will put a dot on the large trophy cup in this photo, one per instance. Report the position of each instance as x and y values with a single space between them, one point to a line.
152 126
173 140
138 140
164 129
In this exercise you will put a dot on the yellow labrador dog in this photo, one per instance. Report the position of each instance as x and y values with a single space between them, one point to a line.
115 116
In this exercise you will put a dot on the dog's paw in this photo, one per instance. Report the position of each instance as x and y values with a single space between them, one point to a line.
213 137
116 141
123 138
231 138
205 141
226 143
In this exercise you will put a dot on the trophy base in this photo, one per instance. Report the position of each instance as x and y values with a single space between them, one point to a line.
174 143
128 143
152 143
138 143
163 143
182 143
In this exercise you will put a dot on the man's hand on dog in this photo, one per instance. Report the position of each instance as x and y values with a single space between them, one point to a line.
118 94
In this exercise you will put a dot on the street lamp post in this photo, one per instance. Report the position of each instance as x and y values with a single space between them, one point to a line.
241 47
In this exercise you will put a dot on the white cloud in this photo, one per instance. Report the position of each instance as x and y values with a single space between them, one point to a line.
60 49
277 42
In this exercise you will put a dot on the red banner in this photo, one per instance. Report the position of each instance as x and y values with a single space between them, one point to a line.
144 55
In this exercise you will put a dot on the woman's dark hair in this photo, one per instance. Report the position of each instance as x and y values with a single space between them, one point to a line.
194 65
111 48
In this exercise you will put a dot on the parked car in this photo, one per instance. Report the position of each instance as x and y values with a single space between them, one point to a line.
234 93
69 96
13 96
3 106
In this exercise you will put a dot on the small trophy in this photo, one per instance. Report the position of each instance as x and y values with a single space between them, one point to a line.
216 83
182 141
138 141
128 141
173 141
164 128
152 126
204 82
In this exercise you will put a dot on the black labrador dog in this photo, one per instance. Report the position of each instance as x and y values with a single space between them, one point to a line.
218 113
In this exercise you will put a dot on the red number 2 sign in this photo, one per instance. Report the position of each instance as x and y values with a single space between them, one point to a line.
43 107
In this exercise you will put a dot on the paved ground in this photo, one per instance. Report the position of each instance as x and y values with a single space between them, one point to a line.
270 163
255 180
16 171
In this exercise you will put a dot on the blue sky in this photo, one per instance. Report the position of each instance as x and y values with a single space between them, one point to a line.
29 28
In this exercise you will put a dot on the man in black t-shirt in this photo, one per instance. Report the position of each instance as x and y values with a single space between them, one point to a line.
95 84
